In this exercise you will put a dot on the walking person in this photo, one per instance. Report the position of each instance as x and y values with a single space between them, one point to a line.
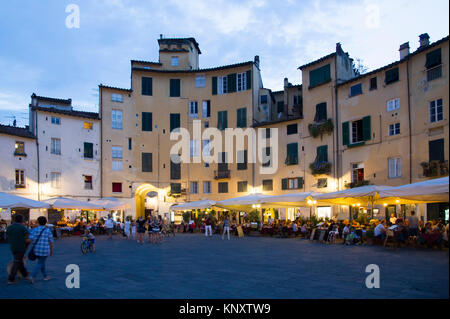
208 226
109 226
127 228
18 242
42 239
150 229
133 229
226 227
156 230
140 223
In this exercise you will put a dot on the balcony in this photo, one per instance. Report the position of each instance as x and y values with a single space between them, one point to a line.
223 173
357 184
435 168
316 129
318 168
18 153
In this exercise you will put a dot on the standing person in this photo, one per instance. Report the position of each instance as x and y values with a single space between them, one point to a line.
109 226
18 243
133 229
226 227
413 223
42 239
208 226
156 230
150 229
127 228
140 223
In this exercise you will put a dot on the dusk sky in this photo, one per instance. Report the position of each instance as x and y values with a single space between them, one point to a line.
40 54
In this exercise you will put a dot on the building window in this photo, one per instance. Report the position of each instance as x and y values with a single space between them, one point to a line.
116 116
193 109
242 160
88 125
174 61
175 188
175 87
175 166
147 121
193 189
241 117
116 165
206 187
117 158
267 185
357 172
174 121
20 178
357 131
391 76
436 113
292 129
130 143
19 148
147 86
222 85
394 129
88 150
395 167
321 112
292 154
263 99
222 120
242 186
373 83
117 187
319 76
322 154
55 180
267 132
206 148
200 81
356 89
195 148
241 81
436 150
55 146
116 97
56 120
393 104
292 183
434 65
87 182
267 158
206 109
147 165
223 187
280 107
322 183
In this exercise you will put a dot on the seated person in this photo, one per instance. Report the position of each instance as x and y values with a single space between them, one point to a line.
304 230
401 231
380 231
430 236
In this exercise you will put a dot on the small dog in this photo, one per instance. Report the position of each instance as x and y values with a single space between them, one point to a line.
10 265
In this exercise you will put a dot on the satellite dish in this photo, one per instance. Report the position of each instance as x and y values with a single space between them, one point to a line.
152 194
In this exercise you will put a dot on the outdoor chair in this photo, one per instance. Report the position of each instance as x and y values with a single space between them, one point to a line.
390 239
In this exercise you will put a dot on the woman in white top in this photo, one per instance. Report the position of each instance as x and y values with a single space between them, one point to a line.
127 228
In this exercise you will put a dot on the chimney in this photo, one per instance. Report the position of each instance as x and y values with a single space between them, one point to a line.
257 61
424 40
160 36
404 50
286 82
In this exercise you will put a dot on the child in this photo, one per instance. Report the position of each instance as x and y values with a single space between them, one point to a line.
91 238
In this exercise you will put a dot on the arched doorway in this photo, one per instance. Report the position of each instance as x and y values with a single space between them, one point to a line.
140 196
157 200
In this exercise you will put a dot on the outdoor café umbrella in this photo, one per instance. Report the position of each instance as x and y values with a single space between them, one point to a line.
243 203
14 201
201 204
111 203
69 203
288 200
358 195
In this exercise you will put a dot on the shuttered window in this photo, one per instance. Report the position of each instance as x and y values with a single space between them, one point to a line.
373 83
356 89
321 112
356 132
322 154
88 150
174 87
242 186
175 188
267 185
206 111
395 167
242 160
249 79
222 120
436 112
292 129
174 121
117 187
175 167
267 158
319 76
391 76
433 58
147 163
292 183
147 86
436 150
241 117
280 106
223 187
214 85
231 80
292 154
147 121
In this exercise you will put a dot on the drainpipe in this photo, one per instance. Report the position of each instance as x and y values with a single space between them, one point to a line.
409 122
37 149
101 140
336 140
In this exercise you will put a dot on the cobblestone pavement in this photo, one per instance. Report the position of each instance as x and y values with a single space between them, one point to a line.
192 266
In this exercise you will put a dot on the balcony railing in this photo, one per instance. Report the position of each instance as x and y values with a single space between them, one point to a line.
357 184
316 129
435 168
223 173
318 168
434 73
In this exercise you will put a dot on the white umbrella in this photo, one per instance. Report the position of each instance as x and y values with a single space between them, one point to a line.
243 203
111 203
288 200
362 195
434 190
69 203
201 204
13 201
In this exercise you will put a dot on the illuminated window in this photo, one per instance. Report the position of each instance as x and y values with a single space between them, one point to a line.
88 125
19 148
87 182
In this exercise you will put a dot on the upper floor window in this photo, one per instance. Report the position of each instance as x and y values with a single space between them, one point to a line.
56 120
147 86
200 81
395 167
292 129
19 148
193 109
55 180
241 117
357 131
206 187
87 182
321 112
373 83
391 76
117 187
88 150
222 85
206 108
20 178
193 189
356 89
116 152
267 184
436 113
147 121
393 104
357 170
88 125
174 61
222 120
434 65
292 154
116 97
195 148
263 99
394 129
241 81
175 87
55 146
116 117
319 76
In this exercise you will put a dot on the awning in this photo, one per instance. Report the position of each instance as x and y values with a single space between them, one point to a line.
201 204
111 203
359 195
69 203
14 201
288 200
430 191
243 203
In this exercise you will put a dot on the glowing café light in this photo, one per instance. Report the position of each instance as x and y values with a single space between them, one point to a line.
258 206
397 201
253 206
385 204
314 202
353 205
309 202
358 204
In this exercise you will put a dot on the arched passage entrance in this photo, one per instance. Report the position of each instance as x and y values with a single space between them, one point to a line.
159 195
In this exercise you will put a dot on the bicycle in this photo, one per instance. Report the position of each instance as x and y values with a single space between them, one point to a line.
86 245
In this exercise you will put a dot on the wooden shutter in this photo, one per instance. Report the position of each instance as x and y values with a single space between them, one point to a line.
174 121
147 88
300 182
225 119
366 128
292 153
241 117
433 58
147 162
88 150
175 188
147 121
292 129
319 76
231 81
322 153
249 79
174 87
175 168
346 133
436 150
284 183
391 76
214 85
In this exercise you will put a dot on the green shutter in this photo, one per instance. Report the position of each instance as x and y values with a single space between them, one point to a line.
222 120
88 150
300 182
231 81
241 117
174 121
322 153
249 79
147 121
319 76
391 76
366 128
225 119
292 154
284 183
147 88
214 85
346 133
174 87
280 106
